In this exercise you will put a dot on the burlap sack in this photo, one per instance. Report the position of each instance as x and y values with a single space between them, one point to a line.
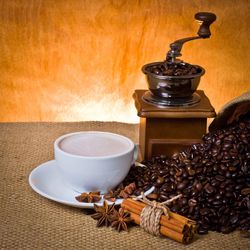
231 112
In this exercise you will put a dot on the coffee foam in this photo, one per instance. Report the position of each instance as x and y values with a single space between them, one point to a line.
94 144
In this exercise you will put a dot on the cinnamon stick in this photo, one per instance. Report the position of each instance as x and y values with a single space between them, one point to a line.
173 216
176 227
163 230
170 223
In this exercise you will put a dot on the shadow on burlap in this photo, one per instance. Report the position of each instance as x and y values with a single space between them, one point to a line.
29 221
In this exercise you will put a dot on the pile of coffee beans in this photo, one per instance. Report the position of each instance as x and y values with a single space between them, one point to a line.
174 69
213 178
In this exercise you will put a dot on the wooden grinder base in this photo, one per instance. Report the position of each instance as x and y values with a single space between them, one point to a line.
167 130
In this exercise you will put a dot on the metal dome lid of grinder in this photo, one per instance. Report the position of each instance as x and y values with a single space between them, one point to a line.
173 82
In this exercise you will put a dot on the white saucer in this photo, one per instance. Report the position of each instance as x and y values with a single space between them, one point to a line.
46 181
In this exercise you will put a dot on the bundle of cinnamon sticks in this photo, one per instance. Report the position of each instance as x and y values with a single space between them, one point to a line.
176 227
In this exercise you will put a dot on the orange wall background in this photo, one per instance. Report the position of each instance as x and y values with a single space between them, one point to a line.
76 60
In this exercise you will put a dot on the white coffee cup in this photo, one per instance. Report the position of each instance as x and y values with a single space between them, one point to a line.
94 161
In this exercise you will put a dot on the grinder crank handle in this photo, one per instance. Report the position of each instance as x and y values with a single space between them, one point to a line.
207 18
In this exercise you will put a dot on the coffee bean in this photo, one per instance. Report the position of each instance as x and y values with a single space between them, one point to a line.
179 172
217 196
229 188
238 187
228 175
215 183
152 196
137 192
210 200
226 229
223 185
181 185
224 219
234 219
184 201
232 169
240 180
217 203
204 211
172 172
192 202
245 233
163 196
178 179
173 186
226 146
219 177
166 188
184 174
160 180
156 71
245 191
201 230
209 189
184 210
213 178
154 177
209 164
162 172
140 184
233 175
198 186
225 199
228 194
191 172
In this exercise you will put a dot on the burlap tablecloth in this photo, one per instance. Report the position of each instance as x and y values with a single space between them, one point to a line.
29 221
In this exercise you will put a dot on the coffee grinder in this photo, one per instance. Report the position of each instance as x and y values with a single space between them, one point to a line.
173 113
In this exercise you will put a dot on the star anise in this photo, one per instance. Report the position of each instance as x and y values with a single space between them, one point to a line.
123 194
103 214
89 197
127 191
130 188
120 220
110 196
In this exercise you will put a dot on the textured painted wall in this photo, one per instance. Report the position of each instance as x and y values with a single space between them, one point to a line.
69 60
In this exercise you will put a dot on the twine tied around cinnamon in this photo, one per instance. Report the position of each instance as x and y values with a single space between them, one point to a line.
151 214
